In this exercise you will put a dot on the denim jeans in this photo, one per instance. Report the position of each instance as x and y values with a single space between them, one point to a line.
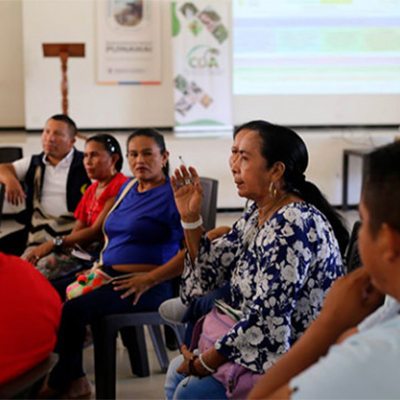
180 387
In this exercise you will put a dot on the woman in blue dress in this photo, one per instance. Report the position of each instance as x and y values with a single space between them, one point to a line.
142 233
280 258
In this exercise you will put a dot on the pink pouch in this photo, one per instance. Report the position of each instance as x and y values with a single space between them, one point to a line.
237 380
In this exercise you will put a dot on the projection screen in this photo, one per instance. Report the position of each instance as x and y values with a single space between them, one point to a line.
317 62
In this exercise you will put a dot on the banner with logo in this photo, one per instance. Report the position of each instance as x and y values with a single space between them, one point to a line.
202 64
129 42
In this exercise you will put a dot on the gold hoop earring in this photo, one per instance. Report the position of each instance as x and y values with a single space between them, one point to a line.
272 190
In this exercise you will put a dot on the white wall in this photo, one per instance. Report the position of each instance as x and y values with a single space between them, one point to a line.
12 113
92 105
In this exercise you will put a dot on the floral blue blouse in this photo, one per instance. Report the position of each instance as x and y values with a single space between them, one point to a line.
279 275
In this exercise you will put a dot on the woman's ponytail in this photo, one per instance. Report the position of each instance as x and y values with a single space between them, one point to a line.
311 194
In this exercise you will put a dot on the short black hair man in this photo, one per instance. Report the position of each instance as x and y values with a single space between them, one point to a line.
54 182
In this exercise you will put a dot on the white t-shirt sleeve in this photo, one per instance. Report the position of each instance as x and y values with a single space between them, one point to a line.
21 167
365 366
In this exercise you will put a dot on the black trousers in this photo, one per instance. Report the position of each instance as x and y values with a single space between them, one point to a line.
85 310
15 242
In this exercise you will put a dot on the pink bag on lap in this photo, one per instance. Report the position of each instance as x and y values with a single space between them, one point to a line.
237 380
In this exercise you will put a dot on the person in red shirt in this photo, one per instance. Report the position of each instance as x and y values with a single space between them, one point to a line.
103 162
29 317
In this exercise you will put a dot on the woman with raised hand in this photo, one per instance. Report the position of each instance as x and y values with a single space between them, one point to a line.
280 259
103 162
143 232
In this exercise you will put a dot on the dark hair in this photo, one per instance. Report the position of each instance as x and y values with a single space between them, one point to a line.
381 186
281 144
71 124
111 145
158 138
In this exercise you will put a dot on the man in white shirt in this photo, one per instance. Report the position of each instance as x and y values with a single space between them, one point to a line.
366 364
54 181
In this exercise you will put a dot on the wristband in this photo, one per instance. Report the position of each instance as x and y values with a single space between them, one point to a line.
192 225
205 366
192 371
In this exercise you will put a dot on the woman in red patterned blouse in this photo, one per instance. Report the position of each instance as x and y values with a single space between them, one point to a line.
102 160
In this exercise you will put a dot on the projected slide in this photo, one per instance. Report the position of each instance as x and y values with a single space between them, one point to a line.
316 47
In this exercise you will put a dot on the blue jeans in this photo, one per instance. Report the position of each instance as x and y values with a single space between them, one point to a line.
180 387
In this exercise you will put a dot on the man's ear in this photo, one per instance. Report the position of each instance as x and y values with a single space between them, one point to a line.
389 241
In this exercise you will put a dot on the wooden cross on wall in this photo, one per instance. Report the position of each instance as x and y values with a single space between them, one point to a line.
64 51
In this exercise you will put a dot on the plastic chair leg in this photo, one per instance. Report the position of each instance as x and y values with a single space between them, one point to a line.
135 342
179 332
159 346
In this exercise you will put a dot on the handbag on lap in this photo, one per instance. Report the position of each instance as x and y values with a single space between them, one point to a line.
97 278
237 380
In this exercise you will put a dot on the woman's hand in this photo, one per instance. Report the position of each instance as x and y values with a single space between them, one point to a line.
188 193
184 367
136 284
218 232
191 364
40 251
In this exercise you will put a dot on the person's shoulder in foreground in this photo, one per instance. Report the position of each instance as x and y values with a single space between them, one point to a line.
367 363
29 315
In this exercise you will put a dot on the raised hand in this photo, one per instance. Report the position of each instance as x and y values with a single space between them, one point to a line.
188 193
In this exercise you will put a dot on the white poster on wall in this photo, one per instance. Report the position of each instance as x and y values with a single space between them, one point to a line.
201 33
129 42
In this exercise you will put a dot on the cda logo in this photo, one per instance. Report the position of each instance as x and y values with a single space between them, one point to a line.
203 56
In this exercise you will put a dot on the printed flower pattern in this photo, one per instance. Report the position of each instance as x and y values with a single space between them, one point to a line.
279 275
